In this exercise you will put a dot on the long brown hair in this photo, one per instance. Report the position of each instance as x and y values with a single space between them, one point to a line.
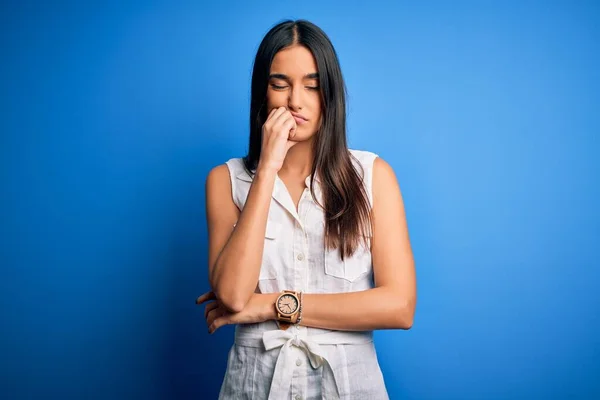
347 209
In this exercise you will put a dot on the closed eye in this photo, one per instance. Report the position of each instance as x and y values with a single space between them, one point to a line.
278 87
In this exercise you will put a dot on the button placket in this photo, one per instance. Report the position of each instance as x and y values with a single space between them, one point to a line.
300 244
298 256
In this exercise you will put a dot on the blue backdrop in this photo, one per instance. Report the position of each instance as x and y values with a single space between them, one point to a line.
112 115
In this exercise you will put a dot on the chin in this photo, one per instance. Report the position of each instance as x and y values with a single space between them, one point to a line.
302 136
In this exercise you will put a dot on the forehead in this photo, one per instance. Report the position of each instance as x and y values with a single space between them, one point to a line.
295 61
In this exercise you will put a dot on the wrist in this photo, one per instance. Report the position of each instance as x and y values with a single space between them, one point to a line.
288 308
266 171
270 312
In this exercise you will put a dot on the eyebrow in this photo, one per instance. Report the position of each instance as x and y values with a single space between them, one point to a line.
312 75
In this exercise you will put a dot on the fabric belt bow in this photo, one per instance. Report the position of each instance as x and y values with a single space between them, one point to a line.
333 387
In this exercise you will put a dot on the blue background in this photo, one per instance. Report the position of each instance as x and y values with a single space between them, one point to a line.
113 114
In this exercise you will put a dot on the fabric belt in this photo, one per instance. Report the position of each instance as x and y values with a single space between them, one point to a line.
334 382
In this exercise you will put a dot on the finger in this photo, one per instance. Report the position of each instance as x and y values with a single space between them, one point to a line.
209 307
214 314
217 323
288 128
282 116
294 129
217 318
284 124
288 123
271 113
275 113
205 297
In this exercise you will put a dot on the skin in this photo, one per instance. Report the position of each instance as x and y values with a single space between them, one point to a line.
234 263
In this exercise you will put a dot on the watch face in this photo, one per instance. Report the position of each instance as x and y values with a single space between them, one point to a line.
287 304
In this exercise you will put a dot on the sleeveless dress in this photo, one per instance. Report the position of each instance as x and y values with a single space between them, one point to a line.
303 362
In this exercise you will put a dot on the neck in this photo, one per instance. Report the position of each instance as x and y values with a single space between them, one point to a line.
298 160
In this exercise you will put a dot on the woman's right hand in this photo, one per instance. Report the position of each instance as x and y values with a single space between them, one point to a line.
277 131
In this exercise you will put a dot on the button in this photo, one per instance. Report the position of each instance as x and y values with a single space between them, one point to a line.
300 257
298 362
298 397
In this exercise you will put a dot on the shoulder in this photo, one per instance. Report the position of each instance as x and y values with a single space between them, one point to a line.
224 174
222 185
382 173
386 189
363 160
363 156
381 168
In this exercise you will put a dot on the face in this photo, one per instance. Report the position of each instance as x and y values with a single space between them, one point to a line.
294 84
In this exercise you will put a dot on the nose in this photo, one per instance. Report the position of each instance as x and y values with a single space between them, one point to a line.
295 99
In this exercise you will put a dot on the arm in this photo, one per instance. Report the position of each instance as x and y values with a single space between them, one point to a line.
234 261
234 257
391 304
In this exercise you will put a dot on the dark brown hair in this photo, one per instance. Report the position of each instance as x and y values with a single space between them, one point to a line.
347 211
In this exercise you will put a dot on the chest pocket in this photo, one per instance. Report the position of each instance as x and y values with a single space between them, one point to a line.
268 268
351 268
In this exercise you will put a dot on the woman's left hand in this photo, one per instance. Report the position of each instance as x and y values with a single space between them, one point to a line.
259 308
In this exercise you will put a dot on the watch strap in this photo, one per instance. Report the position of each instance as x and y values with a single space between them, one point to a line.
285 321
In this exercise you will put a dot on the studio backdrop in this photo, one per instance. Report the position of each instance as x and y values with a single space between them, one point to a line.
113 113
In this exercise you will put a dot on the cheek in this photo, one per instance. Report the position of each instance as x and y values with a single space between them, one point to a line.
318 122
276 99
316 106
318 114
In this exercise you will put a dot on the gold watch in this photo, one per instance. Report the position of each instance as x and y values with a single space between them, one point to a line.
287 307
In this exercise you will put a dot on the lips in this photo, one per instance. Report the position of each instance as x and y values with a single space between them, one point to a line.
300 121
298 117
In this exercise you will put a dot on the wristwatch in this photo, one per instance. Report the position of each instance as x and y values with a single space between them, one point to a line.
287 307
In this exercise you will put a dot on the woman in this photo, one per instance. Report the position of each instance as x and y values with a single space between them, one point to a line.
308 244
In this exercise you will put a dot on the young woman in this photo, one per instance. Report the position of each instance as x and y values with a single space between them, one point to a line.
308 244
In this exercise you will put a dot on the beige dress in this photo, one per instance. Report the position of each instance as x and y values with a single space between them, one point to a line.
303 362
